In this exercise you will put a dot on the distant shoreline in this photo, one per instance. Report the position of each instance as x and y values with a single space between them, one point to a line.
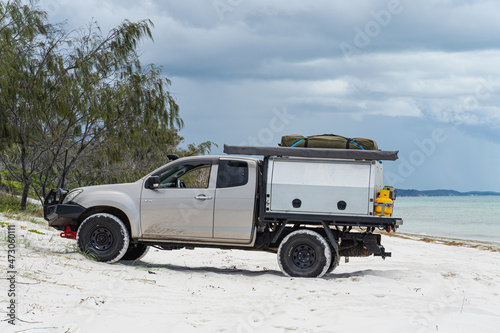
450 241
443 193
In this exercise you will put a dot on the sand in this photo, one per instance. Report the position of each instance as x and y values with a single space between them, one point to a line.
425 287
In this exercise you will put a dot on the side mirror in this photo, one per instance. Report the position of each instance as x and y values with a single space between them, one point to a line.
152 182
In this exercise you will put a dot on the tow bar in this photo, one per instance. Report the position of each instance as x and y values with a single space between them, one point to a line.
68 233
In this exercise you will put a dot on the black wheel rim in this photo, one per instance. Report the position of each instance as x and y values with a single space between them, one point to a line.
303 256
101 239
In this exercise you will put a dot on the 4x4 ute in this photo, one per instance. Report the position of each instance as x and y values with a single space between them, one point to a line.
309 205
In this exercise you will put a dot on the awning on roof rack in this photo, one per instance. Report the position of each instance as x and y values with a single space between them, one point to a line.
351 154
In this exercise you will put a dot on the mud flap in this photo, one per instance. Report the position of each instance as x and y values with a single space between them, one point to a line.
331 238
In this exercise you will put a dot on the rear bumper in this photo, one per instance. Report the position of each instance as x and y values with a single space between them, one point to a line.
60 215
372 242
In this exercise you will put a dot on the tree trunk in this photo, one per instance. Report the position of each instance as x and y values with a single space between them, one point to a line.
24 198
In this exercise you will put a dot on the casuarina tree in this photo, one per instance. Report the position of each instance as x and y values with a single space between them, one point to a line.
80 91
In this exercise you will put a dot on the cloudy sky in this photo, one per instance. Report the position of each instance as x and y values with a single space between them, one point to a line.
421 77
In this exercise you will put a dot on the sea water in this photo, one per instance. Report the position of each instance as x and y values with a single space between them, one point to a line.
471 217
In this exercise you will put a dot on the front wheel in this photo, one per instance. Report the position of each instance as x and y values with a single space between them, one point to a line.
103 237
304 253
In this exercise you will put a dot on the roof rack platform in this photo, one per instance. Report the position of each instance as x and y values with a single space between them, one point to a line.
351 154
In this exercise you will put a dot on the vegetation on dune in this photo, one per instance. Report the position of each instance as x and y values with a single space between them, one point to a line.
10 204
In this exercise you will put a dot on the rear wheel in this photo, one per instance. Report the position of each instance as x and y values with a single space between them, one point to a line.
304 253
335 261
103 237
135 252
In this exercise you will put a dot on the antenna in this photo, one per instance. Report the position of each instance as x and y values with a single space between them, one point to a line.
63 178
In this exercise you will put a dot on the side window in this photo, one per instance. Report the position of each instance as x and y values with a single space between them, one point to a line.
196 178
232 173
186 176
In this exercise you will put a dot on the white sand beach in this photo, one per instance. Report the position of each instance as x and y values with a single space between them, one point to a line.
424 287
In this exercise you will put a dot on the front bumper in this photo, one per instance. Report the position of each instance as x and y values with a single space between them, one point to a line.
57 213
60 215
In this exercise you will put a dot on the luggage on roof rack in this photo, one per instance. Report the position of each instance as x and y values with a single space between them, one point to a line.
327 141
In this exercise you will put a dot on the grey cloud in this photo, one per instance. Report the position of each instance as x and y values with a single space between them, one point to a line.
419 67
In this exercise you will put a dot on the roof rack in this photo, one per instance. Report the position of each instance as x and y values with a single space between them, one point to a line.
351 154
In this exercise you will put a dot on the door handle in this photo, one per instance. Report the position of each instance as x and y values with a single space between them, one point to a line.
202 197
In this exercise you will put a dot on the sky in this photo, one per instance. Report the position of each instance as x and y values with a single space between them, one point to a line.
421 77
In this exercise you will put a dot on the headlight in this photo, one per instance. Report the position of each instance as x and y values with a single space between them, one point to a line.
72 195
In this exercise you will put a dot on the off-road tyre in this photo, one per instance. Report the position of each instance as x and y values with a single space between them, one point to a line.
135 252
304 253
335 261
103 237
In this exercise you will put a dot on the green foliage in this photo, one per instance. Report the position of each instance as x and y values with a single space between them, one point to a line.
19 26
131 158
81 92
12 186
10 204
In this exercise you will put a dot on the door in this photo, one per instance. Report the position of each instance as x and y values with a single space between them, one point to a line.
235 204
183 203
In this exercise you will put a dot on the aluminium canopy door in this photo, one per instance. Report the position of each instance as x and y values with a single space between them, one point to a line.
321 186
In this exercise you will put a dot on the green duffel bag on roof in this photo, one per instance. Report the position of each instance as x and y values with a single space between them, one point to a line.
327 141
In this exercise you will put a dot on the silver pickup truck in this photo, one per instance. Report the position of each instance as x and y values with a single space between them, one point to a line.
309 205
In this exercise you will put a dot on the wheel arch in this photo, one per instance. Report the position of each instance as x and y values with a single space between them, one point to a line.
106 209
305 226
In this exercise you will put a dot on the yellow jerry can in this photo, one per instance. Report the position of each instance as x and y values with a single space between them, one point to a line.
383 203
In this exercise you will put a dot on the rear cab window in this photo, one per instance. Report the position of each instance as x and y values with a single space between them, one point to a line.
232 173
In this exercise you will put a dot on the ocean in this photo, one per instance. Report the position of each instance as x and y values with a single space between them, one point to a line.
472 217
